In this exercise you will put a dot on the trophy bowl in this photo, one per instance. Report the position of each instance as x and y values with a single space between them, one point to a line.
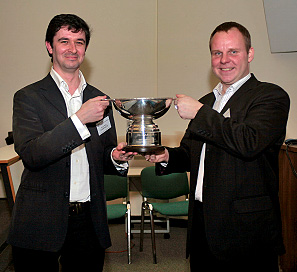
143 135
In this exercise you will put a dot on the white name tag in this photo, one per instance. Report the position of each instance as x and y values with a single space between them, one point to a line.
103 125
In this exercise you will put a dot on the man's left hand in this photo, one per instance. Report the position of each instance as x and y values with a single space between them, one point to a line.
120 155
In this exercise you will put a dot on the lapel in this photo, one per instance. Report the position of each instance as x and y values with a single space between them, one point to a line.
51 92
90 93
236 98
208 99
53 95
196 145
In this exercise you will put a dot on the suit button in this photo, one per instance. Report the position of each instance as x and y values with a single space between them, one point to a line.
67 164
66 194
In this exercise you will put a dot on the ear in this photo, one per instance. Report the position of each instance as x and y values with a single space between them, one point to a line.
251 54
49 47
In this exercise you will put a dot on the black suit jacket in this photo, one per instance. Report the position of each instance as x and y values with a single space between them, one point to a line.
44 138
240 188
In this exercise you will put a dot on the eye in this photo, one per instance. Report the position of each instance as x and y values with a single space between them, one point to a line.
80 42
216 53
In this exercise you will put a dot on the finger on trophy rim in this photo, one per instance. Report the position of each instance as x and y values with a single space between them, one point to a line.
139 98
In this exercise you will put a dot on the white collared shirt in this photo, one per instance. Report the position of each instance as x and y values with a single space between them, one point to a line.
219 104
79 173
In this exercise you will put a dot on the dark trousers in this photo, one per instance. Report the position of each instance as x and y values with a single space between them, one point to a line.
202 259
81 251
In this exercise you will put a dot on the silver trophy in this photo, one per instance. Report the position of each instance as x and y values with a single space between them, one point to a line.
143 135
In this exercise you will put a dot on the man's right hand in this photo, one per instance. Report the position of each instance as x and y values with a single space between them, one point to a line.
92 110
162 157
187 107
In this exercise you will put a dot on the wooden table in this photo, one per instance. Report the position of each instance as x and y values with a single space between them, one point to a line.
11 168
288 203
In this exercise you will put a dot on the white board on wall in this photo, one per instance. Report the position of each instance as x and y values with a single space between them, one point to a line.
281 20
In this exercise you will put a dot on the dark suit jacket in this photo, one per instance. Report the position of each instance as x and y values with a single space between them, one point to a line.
44 137
240 188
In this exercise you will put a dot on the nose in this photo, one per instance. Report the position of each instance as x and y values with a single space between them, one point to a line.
224 58
72 47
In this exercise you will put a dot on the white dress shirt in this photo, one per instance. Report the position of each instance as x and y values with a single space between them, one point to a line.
219 104
79 175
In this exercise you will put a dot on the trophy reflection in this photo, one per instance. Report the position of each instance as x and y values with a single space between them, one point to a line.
143 135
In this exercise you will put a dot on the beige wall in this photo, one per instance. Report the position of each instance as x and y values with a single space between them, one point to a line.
138 48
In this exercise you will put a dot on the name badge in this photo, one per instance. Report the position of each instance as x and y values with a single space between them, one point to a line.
103 125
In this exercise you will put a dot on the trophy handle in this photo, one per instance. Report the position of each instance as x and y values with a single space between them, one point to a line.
119 110
160 113
125 115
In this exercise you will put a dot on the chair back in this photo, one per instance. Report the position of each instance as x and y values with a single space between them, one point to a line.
115 187
163 187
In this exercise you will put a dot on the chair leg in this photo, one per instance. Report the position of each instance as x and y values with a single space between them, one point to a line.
129 233
142 226
153 234
167 234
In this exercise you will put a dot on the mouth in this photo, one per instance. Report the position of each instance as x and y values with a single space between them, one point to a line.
226 69
72 57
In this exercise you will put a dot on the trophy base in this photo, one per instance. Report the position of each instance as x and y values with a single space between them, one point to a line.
143 150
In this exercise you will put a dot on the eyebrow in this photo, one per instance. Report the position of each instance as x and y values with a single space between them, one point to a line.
63 39
229 49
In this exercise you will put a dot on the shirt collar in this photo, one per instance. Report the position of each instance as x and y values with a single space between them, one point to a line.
63 86
233 88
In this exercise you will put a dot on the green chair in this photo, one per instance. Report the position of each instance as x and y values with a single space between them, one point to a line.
163 188
117 187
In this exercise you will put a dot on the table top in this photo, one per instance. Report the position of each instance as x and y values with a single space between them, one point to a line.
134 171
8 155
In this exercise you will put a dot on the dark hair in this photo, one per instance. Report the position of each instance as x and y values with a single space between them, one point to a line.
73 22
227 26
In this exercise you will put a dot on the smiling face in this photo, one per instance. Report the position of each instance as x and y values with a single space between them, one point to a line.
229 57
68 50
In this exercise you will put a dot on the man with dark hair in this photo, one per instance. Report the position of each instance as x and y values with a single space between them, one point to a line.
231 149
71 22
65 134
